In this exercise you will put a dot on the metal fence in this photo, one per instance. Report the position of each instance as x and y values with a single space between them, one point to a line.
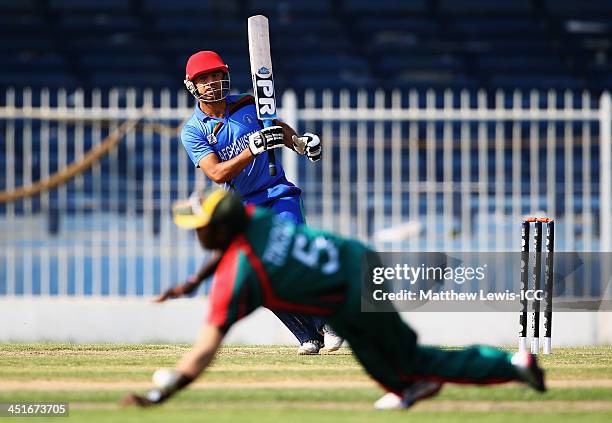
412 170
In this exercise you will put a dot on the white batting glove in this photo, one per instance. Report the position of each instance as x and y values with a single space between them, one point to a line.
266 139
309 145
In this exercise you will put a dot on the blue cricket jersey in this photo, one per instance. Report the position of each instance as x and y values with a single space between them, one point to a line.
227 137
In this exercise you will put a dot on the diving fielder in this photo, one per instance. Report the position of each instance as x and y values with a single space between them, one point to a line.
268 261
225 139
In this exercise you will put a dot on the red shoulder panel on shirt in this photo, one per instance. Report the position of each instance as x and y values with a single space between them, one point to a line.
242 102
223 286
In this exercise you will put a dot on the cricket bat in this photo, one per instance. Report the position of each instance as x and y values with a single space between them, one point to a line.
261 74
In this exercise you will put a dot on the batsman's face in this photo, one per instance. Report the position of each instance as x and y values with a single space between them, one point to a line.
213 85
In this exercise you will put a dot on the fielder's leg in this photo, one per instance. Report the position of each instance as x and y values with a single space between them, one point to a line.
388 350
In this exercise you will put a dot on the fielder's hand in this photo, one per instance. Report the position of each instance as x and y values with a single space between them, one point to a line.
309 145
137 400
266 139
177 291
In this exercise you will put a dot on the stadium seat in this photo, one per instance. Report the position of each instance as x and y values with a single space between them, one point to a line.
18 5
419 25
577 8
35 79
286 9
88 23
89 6
411 41
500 27
501 7
34 60
191 7
111 61
384 6
131 79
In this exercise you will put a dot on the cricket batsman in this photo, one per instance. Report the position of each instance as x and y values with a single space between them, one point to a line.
272 262
225 139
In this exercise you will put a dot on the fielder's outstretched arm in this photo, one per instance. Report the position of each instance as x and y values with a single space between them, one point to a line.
193 282
199 358
189 368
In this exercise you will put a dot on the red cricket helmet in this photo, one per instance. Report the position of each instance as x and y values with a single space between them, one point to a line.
204 61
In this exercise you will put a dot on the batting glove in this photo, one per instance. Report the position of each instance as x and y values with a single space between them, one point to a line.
266 139
309 145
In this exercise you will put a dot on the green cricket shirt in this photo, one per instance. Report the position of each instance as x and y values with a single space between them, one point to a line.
284 267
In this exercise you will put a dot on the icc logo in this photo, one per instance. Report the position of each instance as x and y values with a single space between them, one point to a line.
211 139
248 119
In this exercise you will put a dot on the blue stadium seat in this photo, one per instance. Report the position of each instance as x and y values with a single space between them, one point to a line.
18 5
172 24
100 22
420 25
117 61
500 7
573 7
503 63
410 41
321 26
401 63
205 8
488 27
384 6
89 5
527 82
26 42
321 81
36 79
276 8
131 79
321 63
515 46
20 22
310 45
115 42
45 61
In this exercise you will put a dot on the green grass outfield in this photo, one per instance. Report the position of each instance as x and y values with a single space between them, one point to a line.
272 384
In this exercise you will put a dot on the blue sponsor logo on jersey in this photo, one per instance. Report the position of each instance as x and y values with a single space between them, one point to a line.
263 71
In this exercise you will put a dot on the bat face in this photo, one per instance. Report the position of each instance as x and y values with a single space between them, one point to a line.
261 67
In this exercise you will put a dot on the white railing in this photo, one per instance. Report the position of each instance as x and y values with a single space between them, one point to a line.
405 171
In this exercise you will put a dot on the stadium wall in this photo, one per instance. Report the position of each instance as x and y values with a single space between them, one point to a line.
86 320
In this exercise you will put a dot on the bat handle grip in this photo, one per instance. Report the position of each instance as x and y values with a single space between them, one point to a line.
271 156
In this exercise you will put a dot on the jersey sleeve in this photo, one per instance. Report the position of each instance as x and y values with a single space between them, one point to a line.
195 143
233 294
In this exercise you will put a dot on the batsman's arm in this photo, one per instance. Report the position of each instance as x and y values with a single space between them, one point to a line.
189 368
307 144
221 172
288 133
